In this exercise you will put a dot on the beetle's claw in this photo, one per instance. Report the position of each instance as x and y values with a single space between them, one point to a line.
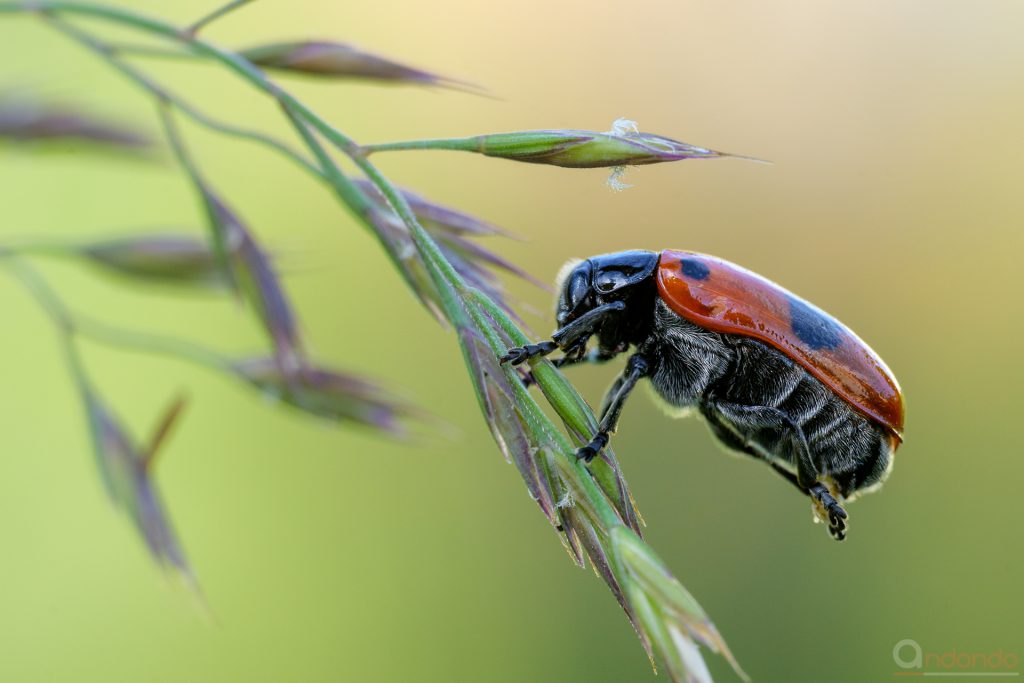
827 507
590 451
516 355
586 454
519 354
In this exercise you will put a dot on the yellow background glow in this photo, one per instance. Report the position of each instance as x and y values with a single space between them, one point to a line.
894 202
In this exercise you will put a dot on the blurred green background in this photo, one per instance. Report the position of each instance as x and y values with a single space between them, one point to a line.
894 202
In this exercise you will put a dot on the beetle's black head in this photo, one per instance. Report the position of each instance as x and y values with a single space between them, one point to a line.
622 276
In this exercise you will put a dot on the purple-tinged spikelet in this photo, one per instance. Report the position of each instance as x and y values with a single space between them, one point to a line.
27 122
254 276
451 229
166 258
127 474
330 59
329 394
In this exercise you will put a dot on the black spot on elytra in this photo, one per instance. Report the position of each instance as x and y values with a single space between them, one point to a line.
694 269
813 328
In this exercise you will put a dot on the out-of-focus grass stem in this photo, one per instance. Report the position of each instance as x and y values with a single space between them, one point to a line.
214 15
70 324
452 144
110 54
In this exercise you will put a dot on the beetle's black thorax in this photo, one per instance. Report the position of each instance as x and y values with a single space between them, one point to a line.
627 277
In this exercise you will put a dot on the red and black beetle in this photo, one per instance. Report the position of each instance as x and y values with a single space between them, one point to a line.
774 376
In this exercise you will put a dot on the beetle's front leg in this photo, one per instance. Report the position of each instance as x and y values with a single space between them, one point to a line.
636 368
565 338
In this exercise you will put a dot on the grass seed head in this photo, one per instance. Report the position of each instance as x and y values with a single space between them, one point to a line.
452 230
29 122
162 258
667 615
589 149
330 59
441 218
330 394
254 276
128 477
521 441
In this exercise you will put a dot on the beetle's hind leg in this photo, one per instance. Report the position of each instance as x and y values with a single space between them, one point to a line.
636 368
807 477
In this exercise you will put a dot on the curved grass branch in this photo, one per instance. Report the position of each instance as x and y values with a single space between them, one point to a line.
151 51
126 468
214 15
593 510
71 324
109 53
144 342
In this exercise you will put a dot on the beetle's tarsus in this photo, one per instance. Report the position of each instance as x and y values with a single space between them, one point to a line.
590 451
521 354
830 507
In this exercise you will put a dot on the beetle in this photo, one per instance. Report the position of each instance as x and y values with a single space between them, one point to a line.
775 377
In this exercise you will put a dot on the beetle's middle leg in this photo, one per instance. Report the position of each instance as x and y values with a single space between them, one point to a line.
637 367
573 357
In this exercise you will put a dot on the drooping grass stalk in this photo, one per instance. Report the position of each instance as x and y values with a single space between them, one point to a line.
319 391
125 467
591 506
172 347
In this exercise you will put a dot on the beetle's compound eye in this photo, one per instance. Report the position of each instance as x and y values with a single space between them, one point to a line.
575 290
609 280
578 288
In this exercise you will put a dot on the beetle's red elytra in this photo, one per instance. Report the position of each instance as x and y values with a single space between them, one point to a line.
721 296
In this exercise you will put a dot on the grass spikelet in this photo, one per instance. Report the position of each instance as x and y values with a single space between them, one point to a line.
168 258
330 59
262 289
24 122
330 394
619 147
127 473
452 230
